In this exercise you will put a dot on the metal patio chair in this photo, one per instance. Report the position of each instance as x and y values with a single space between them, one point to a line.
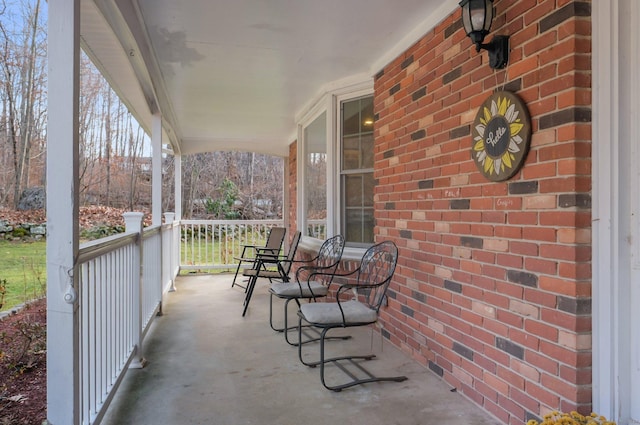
250 252
312 281
357 304
270 266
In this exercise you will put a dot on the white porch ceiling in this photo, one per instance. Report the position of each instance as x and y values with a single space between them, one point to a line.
234 74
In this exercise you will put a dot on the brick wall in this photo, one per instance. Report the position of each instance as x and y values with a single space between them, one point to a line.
492 291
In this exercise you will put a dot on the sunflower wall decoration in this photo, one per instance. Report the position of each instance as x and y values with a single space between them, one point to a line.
501 136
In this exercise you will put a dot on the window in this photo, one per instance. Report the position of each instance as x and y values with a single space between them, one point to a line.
315 177
356 170
335 167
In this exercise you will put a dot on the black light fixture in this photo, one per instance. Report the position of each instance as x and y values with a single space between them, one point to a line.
477 16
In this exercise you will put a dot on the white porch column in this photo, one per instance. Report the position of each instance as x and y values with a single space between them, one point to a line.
615 212
178 186
156 170
63 379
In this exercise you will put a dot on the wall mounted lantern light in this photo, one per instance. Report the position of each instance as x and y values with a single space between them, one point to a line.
477 16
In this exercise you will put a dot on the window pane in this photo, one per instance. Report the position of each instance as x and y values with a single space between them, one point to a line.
354 226
368 184
357 181
351 153
367 225
351 117
353 191
359 225
367 151
367 114
315 141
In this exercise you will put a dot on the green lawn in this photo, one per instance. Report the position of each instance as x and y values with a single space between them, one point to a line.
23 267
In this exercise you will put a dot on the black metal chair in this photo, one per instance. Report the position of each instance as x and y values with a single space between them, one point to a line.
250 252
270 266
357 304
312 280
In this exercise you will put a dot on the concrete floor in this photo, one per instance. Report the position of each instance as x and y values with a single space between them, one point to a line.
209 365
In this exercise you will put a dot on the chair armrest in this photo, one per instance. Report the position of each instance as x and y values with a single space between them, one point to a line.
270 258
262 250
243 255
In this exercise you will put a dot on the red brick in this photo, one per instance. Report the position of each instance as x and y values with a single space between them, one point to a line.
523 399
500 386
496 410
540 43
540 297
538 11
544 396
558 286
539 234
538 265
543 330
559 386
524 339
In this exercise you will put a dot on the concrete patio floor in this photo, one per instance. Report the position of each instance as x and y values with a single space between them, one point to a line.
209 365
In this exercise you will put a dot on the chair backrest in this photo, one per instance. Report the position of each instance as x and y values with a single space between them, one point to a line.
327 261
293 247
375 272
274 239
330 252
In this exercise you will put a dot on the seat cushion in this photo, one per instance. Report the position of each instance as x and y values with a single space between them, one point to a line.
355 312
304 290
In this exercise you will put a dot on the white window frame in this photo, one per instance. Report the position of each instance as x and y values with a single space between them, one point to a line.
329 102
339 212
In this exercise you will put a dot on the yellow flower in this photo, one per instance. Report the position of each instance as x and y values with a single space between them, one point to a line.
572 418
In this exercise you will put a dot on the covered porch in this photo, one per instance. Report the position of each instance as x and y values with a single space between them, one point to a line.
207 364
520 293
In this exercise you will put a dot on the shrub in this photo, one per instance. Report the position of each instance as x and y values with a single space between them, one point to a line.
19 232
98 232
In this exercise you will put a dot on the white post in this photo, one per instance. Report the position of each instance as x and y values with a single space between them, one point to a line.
63 375
168 253
178 186
133 224
156 170
169 217
615 206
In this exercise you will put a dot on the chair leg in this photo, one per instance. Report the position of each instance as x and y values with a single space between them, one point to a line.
249 292
236 275
288 328
338 362
271 315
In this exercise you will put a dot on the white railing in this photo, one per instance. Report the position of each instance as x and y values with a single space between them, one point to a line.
121 282
317 229
213 244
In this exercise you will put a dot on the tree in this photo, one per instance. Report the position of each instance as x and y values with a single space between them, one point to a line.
23 55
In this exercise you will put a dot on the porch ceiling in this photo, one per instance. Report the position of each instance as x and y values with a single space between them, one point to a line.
233 75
